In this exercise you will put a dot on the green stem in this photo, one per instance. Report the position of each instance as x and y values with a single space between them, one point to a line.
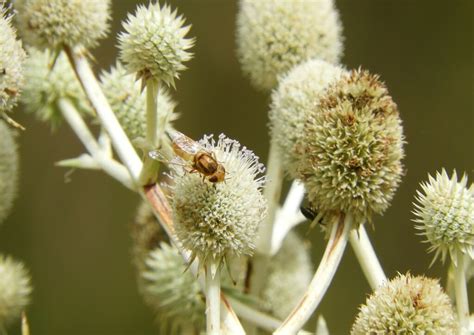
460 289
213 295
367 257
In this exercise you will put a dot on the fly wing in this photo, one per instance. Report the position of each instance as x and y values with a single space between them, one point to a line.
183 146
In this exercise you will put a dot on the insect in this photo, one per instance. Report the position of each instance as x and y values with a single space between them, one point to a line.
202 160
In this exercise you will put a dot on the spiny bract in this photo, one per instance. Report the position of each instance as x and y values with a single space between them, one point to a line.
8 169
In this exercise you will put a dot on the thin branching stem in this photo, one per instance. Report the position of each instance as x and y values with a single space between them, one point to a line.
367 257
79 127
335 247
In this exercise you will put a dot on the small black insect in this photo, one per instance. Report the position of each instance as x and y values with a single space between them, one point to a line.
311 214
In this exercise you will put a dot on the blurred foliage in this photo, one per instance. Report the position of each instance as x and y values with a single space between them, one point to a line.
72 229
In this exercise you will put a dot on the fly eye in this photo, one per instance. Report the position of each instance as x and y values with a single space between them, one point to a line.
213 179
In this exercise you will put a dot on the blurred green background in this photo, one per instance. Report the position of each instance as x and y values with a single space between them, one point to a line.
74 236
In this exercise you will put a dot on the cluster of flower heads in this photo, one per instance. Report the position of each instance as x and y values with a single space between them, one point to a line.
154 44
445 213
221 219
407 305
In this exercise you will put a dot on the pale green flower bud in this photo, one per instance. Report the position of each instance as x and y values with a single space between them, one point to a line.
171 291
289 273
12 57
407 305
351 148
445 213
154 44
275 35
219 220
296 97
47 81
8 169
54 23
128 102
15 290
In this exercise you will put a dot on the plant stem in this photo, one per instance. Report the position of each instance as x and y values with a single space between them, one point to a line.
322 278
213 293
149 173
460 290
77 124
366 256
93 91
289 215
271 193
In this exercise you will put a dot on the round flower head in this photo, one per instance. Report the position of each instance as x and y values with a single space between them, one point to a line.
8 170
15 290
172 291
216 220
47 81
12 57
54 23
351 149
153 44
407 305
445 212
275 35
128 102
296 97
289 274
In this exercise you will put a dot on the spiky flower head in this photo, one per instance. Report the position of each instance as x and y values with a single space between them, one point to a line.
351 148
128 102
12 57
296 97
15 290
220 220
289 274
8 169
171 291
47 81
445 213
154 44
54 23
407 305
275 35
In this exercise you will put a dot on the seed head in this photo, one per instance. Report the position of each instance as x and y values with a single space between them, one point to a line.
15 290
351 148
407 305
54 23
275 35
220 220
49 80
297 96
445 213
154 44
8 170
12 57
289 274
128 102
171 291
